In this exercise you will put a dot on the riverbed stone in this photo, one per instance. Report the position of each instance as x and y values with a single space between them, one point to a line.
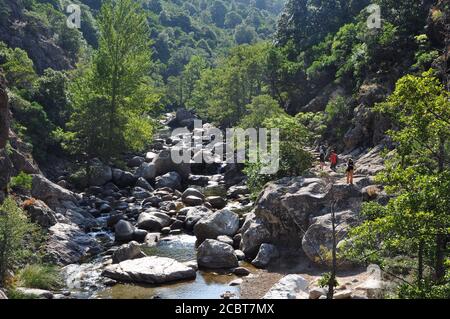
149 270
192 201
192 192
171 180
215 254
132 250
223 222
123 231
241 271
216 202
266 253
153 221
193 215
142 182
225 239
146 171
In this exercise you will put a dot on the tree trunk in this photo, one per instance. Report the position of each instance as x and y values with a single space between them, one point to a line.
420 264
332 280
441 245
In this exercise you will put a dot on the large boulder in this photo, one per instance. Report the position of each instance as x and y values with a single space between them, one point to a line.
163 164
215 254
286 208
50 193
153 221
288 288
146 171
100 173
149 270
40 213
319 235
193 215
254 233
68 244
266 253
171 180
123 231
223 222
122 178
132 250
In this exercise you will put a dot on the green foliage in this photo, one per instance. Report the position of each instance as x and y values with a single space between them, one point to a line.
13 228
38 128
416 221
244 34
40 277
52 94
23 180
15 294
222 94
261 108
294 159
324 281
114 96
18 67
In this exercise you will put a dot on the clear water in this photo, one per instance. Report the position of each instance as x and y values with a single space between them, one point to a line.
207 285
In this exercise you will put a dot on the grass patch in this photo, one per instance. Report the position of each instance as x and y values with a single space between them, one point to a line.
15 294
40 277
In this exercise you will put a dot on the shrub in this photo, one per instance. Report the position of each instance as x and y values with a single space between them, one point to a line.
23 181
40 277
13 228
325 279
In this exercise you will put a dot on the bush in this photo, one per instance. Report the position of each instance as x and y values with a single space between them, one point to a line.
13 228
325 280
40 277
23 181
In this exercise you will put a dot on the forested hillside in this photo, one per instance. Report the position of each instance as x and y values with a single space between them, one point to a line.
358 90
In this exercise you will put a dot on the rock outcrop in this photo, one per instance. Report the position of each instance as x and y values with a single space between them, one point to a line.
50 193
295 213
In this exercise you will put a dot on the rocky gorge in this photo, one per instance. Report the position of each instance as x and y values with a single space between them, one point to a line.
163 229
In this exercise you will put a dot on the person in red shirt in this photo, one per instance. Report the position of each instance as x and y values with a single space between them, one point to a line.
333 160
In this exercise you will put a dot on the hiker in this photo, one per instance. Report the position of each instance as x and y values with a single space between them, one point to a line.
333 160
322 155
350 170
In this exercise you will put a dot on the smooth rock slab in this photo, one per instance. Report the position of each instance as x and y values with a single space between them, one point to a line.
288 288
149 270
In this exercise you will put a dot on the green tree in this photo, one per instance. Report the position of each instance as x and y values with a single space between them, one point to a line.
416 221
232 19
244 34
218 11
18 67
261 108
113 97
52 94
